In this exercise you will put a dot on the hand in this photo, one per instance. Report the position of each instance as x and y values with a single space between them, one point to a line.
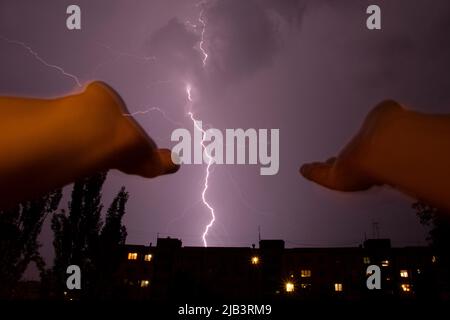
48 143
352 169
136 153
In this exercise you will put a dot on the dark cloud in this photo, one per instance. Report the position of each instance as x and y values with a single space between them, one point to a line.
291 10
241 37
411 52
174 46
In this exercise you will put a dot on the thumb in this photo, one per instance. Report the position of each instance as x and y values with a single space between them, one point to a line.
160 164
166 159
334 175
319 172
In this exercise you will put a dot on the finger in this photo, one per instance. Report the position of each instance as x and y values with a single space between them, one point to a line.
326 174
320 173
159 164
167 164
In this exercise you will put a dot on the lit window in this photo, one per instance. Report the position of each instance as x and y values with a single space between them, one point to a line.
338 287
255 260
406 287
144 283
148 257
289 287
132 256
305 273
305 285
366 260
385 263
404 273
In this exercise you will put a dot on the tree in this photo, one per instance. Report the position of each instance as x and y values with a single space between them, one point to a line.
81 238
439 234
439 238
112 237
20 227
76 234
113 232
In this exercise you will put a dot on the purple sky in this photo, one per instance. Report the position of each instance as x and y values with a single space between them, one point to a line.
309 68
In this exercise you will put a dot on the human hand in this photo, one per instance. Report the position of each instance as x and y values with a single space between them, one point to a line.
134 151
48 143
355 168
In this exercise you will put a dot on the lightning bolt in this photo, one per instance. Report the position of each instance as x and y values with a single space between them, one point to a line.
127 54
205 56
202 37
41 60
120 54
153 109
208 170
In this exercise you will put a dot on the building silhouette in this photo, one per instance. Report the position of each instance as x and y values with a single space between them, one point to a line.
171 272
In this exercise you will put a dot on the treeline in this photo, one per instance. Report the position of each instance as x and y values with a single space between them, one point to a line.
81 237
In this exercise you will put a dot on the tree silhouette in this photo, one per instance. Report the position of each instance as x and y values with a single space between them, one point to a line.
81 238
76 234
439 238
113 232
20 227
112 236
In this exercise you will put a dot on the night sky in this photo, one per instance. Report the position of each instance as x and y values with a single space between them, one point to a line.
309 68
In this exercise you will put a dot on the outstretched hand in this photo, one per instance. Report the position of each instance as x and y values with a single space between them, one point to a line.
48 143
407 150
349 171
136 153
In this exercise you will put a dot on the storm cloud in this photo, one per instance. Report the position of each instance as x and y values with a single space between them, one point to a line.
240 38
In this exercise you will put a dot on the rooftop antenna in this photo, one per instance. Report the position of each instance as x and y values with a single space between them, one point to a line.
259 233
376 230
